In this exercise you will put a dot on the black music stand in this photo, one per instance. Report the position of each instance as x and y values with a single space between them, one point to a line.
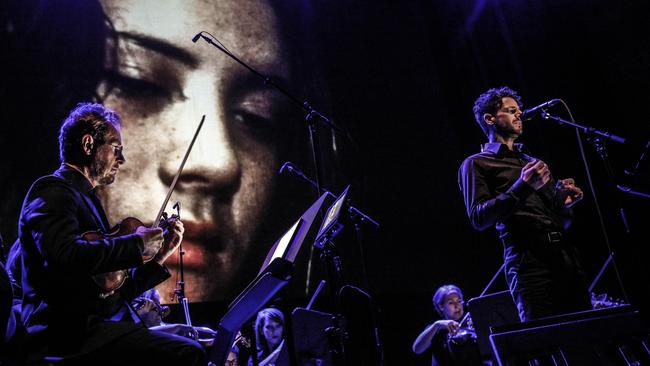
488 311
330 227
609 336
289 244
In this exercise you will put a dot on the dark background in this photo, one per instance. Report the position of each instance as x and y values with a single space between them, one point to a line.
402 77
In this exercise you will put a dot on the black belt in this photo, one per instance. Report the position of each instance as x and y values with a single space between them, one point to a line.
550 237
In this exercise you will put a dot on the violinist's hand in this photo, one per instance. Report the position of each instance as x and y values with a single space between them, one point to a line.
148 311
569 192
146 306
452 326
172 241
152 239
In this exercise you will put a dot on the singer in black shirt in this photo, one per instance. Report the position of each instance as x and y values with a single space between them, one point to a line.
506 187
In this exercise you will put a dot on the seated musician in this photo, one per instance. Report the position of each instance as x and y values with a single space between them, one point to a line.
438 337
152 312
269 327
67 311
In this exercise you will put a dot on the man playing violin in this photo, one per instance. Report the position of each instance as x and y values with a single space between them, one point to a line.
438 336
506 188
65 311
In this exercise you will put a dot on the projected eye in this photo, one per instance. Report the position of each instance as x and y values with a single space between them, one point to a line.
129 87
257 115
252 121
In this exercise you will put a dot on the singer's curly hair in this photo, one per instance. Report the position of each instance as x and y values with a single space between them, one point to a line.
491 102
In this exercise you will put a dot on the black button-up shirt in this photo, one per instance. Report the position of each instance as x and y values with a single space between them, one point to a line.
495 194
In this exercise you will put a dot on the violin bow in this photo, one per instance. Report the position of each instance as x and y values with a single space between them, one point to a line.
178 174
156 222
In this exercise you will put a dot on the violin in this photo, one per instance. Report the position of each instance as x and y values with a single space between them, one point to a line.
466 332
111 281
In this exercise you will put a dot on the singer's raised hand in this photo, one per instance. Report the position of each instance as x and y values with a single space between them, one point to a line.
536 174
569 192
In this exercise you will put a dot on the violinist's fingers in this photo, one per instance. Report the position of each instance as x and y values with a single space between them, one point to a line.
178 237
147 305
190 332
150 305
157 233
452 326
178 227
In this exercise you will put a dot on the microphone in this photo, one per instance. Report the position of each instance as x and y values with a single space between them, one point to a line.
196 37
287 166
528 114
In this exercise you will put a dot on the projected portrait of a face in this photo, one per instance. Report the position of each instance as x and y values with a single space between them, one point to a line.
161 83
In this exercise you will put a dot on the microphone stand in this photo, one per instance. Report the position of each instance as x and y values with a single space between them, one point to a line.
311 117
598 138
180 291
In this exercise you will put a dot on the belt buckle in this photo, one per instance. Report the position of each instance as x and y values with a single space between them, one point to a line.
554 236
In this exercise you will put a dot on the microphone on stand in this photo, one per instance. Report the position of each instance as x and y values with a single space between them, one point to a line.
528 114
197 36
286 166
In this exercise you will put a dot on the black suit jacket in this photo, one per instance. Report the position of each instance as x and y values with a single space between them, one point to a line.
61 308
